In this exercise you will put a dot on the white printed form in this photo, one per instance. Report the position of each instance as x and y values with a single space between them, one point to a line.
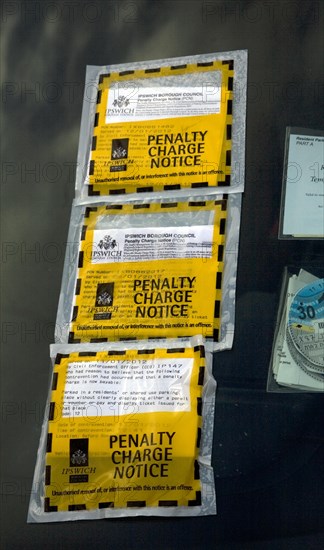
137 244
194 94
303 214
108 388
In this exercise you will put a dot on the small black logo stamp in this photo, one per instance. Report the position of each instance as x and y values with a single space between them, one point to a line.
79 452
105 294
119 149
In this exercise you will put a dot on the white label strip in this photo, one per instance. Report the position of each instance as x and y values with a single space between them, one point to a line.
167 97
137 244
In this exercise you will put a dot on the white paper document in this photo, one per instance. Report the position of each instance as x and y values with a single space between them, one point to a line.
302 210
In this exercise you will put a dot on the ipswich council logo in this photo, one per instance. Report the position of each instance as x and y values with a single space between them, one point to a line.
79 452
121 102
105 294
119 149
106 249
104 299
79 458
107 243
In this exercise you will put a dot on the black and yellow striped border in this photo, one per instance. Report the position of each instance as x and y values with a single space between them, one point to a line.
62 361
92 213
227 69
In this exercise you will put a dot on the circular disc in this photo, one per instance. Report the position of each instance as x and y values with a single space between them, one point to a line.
306 324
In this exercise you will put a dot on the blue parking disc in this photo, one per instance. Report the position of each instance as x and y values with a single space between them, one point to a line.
306 325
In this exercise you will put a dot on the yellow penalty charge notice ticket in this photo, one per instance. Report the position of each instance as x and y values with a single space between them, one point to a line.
124 429
166 128
150 270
